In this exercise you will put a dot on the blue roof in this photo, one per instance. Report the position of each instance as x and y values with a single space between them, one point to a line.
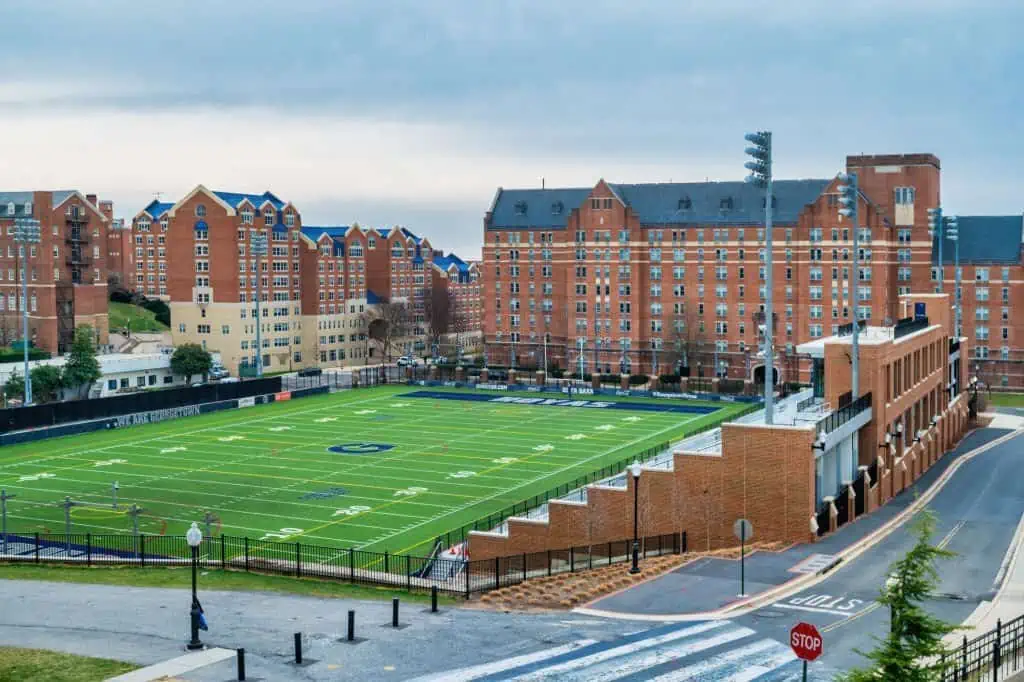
383 231
446 262
337 235
984 239
236 198
156 209
416 239
372 298
677 203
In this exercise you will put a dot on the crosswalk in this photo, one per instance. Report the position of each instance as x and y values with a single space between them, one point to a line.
695 652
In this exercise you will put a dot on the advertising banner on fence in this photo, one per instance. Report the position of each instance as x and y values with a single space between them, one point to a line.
283 395
247 402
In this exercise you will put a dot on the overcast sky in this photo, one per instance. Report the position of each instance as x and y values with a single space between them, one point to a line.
394 111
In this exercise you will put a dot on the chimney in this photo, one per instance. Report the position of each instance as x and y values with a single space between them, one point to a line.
91 198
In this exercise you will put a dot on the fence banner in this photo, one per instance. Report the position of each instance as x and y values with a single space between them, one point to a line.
283 395
247 402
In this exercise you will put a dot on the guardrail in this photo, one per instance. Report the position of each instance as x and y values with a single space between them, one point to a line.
993 656
451 574
841 416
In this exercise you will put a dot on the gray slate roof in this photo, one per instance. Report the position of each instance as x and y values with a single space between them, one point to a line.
678 203
984 239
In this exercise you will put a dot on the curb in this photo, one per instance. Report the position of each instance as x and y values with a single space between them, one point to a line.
740 608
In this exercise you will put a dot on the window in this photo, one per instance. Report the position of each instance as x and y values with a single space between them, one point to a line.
981 274
904 196
200 210
903 236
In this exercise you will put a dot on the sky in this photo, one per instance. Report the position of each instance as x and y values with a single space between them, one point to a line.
387 112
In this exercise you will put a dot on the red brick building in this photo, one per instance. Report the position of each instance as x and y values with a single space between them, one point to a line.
67 270
120 255
657 277
461 279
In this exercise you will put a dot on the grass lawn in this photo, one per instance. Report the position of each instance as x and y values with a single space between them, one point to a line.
386 468
1006 399
142 320
36 665
213 579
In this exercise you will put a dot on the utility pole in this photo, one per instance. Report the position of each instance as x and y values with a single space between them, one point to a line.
760 168
26 235
849 196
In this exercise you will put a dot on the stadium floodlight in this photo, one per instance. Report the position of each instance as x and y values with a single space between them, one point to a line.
26 234
258 245
952 232
849 200
760 167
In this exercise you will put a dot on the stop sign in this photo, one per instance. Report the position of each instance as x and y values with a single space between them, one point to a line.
806 641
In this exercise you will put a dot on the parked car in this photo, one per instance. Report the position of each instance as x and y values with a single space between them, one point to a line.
310 372
405 361
229 380
218 372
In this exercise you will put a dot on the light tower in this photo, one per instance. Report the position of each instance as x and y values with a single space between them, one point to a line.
760 167
848 200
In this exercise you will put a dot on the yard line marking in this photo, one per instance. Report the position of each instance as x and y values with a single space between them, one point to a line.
541 478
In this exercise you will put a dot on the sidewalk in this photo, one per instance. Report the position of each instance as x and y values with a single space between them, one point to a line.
706 586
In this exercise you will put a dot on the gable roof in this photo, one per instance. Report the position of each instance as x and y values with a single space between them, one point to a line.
235 199
674 203
19 199
156 209
984 239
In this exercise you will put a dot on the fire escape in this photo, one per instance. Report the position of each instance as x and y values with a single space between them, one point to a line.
78 260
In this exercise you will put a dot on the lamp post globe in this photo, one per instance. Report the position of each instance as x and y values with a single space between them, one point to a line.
634 470
194 537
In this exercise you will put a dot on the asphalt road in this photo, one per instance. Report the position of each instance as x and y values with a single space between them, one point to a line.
978 513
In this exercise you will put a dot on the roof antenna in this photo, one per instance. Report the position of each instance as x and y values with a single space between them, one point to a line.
542 182
157 195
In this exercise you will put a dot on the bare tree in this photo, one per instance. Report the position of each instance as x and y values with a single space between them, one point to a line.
387 324
687 341
440 310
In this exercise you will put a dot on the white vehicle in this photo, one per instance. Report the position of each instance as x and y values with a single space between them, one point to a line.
405 361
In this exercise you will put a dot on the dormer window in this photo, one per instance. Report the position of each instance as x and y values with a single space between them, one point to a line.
520 207
268 217
685 204
27 208
289 219
247 217
725 204
557 208
10 208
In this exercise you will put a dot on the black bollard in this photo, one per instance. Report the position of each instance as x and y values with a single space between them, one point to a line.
241 664
298 648
394 612
433 598
351 626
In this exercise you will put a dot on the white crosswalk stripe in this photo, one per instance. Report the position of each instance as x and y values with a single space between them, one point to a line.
695 652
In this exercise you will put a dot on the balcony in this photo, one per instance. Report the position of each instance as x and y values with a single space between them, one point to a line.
77 237
75 260
78 218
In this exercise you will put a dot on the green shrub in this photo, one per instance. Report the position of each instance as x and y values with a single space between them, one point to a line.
11 355
638 379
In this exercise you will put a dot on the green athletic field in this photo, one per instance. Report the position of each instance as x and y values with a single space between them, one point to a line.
266 471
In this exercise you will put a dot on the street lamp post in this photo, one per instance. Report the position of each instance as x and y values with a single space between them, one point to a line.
634 469
26 234
760 168
194 536
952 228
258 243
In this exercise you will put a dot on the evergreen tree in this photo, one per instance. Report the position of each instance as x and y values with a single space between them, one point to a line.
912 651
47 380
14 389
82 368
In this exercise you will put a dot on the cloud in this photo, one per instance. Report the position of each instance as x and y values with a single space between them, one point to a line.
353 107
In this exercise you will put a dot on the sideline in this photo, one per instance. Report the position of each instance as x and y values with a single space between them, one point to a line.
852 552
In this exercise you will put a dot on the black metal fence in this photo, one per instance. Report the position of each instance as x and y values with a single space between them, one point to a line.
50 414
994 656
456 576
846 413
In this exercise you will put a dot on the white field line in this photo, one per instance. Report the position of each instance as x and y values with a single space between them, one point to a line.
541 478
187 433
